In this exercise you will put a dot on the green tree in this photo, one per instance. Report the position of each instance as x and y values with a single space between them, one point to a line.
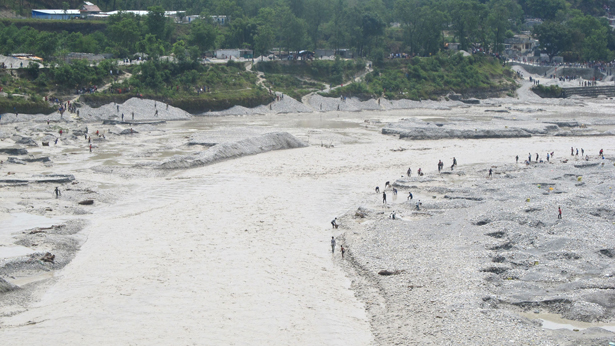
152 46
124 31
202 34
179 51
157 23
554 37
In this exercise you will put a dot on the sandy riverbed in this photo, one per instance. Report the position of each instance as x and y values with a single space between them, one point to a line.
237 252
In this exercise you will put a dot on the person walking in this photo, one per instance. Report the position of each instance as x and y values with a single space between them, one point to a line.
517 158
490 172
384 197
343 250
559 212
409 172
332 245
58 193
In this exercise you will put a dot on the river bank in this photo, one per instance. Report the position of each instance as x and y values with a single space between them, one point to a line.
186 255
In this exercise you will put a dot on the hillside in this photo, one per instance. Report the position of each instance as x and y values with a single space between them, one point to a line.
432 77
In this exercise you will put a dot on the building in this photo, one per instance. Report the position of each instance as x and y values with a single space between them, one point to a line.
89 9
521 44
55 14
169 14
532 22
235 53
343 53
220 20
452 45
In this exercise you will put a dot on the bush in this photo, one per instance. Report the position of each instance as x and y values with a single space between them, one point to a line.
552 91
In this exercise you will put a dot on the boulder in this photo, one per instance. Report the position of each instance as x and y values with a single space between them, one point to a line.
15 160
14 151
389 272
27 141
49 257
128 132
471 101
6 286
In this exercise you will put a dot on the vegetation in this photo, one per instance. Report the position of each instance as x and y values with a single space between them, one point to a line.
372 29
326 71
552 91
291 86
187 84
425 78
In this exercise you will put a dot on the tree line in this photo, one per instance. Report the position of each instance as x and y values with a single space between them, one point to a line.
372 28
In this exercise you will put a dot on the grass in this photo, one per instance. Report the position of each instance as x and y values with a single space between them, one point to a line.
291 85
432 77
325 71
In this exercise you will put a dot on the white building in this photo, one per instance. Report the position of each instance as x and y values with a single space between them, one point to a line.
235 53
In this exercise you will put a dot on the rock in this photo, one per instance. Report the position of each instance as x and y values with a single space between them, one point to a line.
37 159
563 123
14 151
87 202
389 272
361 213
15 160
584 311
128 132
471 101
6 286
586 164
48 257
53 178
25 141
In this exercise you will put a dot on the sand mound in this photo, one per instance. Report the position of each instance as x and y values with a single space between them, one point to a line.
224 151
143 110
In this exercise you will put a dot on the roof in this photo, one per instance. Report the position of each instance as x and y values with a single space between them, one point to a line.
74 12
141 13
89 7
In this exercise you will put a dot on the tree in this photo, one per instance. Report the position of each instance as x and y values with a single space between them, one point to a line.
545 9
156 22
465 16
179 51
152 46
65 8
554 37
124 31
202 34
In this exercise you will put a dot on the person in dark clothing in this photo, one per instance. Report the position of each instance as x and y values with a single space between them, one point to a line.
409 195
377 189
490 172
57 191
517 158
384 197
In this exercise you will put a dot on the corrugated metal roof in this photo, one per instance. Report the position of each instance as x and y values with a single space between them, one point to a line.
76 12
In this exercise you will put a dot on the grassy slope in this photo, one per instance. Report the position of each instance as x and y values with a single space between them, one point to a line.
431 77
